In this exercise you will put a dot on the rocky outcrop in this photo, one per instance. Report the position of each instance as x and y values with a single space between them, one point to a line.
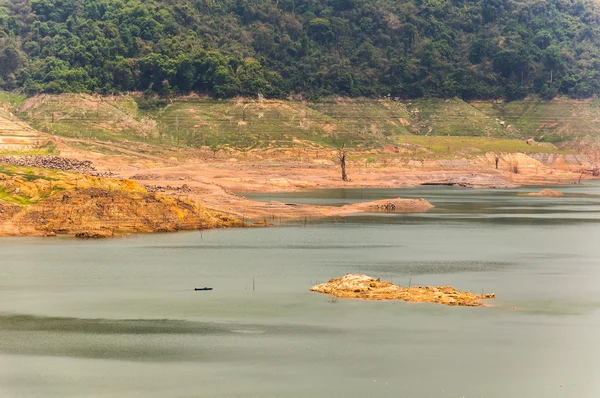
145 177
545 193
397 205
364 287
7 210
53 203
97 212
92 234
473 181
158 188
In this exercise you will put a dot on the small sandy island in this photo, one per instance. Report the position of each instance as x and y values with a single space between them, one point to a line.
545 193
397 205
364 287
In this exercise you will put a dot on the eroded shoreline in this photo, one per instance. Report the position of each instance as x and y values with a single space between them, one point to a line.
212 186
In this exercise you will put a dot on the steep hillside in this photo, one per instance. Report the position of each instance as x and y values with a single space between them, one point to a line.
405 48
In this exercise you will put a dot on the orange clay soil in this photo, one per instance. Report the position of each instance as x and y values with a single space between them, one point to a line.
52 202
211 180
93 207
364 287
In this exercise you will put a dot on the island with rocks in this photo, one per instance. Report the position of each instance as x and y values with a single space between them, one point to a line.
548 193
357 286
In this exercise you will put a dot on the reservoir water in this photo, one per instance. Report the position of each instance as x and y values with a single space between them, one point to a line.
120 318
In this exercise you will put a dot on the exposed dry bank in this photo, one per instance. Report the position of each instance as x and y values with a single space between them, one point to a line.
367 288
48 202
51 203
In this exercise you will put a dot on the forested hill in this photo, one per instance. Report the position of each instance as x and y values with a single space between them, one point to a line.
406 48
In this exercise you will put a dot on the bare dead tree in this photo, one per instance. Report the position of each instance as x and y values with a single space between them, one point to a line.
497 159
342 153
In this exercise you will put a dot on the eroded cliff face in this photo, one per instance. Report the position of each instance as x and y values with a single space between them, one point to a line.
51 205
364 287
7 210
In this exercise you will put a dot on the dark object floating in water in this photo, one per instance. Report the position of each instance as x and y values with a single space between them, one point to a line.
203 288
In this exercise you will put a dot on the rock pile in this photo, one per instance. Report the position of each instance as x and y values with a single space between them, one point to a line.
389 206
105 174
95 234
397 205
50 162
364 287
145 177
157 188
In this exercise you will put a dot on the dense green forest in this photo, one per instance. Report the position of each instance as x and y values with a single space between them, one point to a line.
406 48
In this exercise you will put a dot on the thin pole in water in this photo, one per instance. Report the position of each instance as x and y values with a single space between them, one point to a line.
253 285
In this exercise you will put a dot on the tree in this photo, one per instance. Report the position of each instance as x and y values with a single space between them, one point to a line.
476 49
10 60
552 59
342 153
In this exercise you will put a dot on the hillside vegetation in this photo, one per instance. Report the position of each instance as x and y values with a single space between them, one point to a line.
407 48
247 124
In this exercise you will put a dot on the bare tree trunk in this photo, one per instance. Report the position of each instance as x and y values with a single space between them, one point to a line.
522 75
343 165
342 159
497 159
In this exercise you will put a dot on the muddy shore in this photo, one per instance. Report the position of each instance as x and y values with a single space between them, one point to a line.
214 185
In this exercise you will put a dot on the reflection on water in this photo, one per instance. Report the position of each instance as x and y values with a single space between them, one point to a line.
120 318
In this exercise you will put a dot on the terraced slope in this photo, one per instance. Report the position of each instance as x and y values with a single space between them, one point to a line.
86 117
455 117
245 124
18 137
558 120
